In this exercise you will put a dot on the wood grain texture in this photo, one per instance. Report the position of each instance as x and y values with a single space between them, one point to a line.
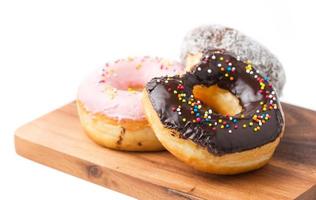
57 140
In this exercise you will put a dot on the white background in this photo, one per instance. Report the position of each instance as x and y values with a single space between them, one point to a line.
46 48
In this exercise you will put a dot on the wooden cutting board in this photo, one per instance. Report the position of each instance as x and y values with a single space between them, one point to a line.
57 140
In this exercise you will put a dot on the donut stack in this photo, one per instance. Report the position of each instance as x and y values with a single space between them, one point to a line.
218 111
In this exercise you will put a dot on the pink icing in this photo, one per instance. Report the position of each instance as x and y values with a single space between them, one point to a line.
107 91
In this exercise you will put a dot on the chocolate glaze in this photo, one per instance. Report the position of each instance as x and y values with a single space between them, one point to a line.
210 133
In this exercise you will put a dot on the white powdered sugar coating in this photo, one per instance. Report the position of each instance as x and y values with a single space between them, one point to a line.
220 37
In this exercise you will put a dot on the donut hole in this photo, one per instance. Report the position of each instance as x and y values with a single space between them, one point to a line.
126 82
219 100
134 87
127 86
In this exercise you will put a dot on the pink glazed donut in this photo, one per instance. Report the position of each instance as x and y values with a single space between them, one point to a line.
110 107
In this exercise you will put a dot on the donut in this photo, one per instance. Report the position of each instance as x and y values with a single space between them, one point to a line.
110 107
223 117
220 37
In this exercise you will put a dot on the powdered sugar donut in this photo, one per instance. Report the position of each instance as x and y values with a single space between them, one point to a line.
109 103
210 37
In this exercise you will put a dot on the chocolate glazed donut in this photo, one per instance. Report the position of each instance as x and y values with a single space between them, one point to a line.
199 107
